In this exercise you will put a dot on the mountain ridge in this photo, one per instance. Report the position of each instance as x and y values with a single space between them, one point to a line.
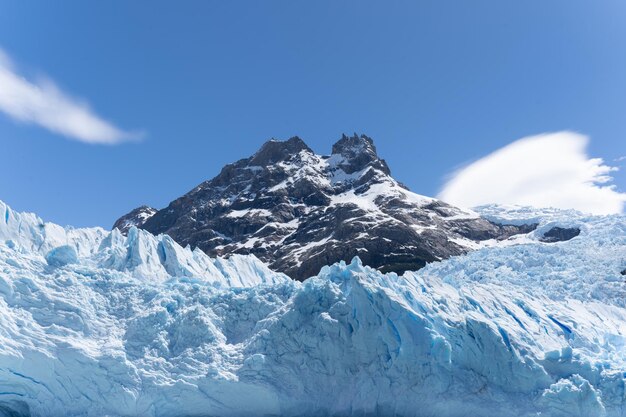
298 211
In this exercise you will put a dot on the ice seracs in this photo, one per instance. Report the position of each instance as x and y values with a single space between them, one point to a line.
61 256
139 253
140 326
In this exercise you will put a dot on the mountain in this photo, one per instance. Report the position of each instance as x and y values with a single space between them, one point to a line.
298 211
93 323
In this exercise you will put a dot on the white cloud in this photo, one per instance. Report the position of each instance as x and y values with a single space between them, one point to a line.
549 170
44 104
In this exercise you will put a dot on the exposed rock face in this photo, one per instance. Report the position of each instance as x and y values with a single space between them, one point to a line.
560 234
137 217
299 211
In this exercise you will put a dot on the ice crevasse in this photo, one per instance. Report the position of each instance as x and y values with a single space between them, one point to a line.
95 323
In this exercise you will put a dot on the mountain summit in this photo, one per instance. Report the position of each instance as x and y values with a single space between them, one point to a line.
299 211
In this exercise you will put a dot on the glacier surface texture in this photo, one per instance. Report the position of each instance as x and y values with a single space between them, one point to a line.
95 323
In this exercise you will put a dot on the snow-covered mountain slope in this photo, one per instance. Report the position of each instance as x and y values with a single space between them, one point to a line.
93 324
299 211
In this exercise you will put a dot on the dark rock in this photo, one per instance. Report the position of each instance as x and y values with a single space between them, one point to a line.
137 218
275 151
560 234
358 152
299 211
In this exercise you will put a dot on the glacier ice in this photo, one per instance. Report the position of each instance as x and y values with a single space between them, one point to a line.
62 255
138 326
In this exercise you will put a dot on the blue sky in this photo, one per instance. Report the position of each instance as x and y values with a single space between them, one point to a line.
437 84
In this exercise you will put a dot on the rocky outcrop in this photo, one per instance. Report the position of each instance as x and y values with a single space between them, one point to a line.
137 218
560 234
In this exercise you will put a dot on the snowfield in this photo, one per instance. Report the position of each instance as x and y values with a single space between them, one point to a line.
93 323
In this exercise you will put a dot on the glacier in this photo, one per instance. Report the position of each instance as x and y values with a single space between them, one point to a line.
94 323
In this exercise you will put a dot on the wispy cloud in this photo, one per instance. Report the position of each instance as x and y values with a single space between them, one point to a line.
44 104
549 170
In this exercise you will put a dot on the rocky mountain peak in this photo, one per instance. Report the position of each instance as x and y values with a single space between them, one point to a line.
298 211
349 145
357 153
274 151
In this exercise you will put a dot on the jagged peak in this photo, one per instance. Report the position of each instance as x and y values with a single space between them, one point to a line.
274 151
354 144
358 152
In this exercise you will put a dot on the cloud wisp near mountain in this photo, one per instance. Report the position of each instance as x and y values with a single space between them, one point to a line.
44 104
550 170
